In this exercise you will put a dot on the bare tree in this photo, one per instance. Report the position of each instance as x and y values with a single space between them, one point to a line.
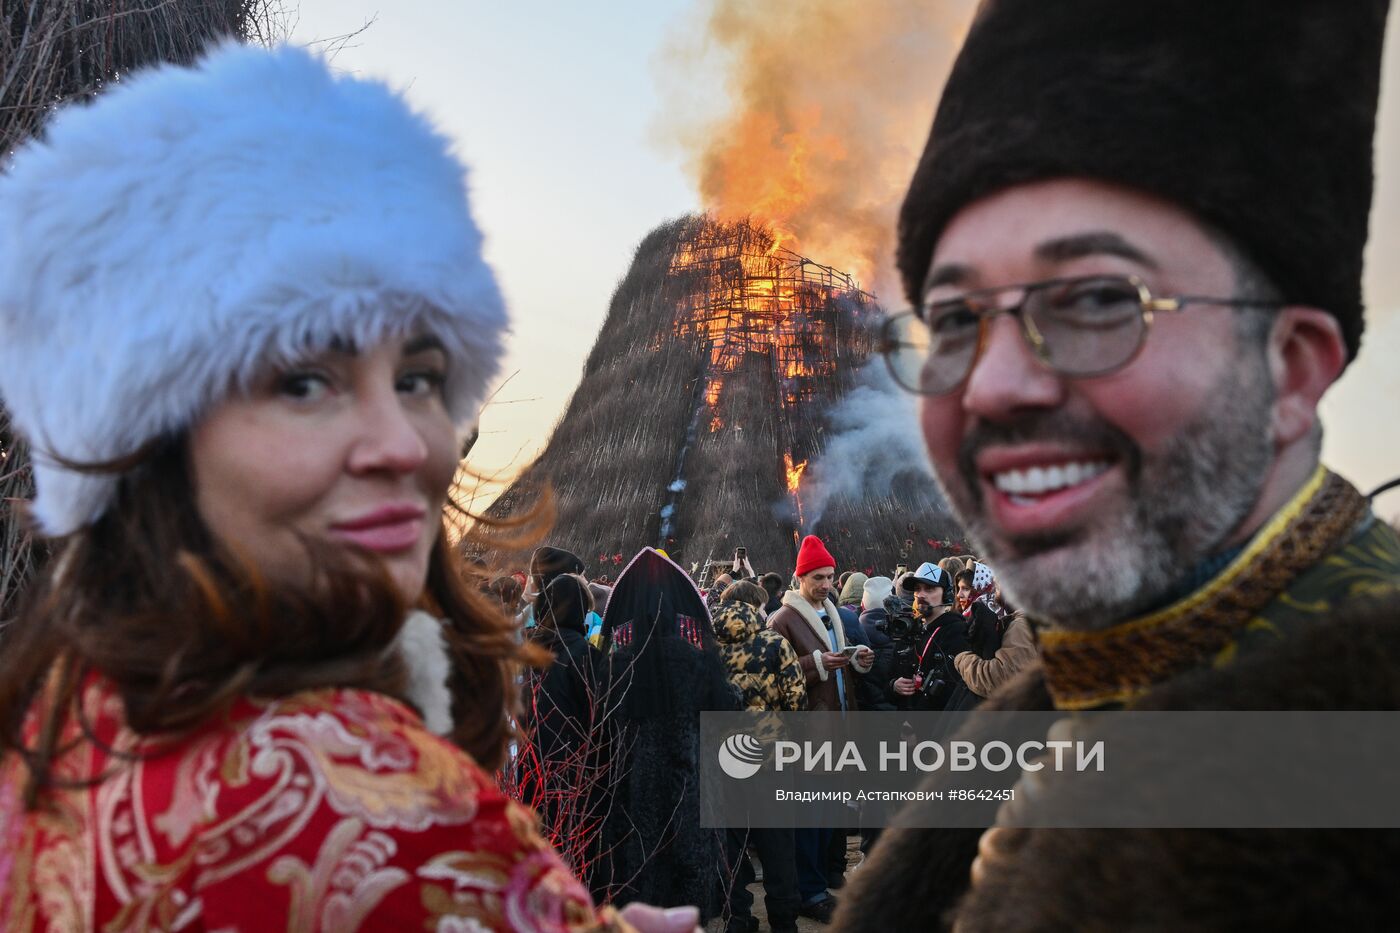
573 773
569 779
56 51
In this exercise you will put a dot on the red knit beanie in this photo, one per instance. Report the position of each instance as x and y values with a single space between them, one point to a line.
813 555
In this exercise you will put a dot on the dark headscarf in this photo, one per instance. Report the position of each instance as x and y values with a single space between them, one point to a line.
549 562
564 604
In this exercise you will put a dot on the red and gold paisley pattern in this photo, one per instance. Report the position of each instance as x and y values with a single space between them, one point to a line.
330 810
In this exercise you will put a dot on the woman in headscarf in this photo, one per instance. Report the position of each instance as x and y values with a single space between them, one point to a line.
245 323
1001 641
976 600
665 669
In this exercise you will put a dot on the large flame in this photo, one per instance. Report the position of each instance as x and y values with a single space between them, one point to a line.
794 473
830 102
794 485
754 296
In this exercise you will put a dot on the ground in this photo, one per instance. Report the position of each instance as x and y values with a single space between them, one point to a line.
853 857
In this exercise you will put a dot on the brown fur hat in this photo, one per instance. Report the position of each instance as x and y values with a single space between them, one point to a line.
1256 115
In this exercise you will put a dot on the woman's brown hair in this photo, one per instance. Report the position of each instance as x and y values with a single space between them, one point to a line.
745 591
182 626
952 565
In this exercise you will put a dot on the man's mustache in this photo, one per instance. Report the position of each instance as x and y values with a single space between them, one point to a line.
1045 427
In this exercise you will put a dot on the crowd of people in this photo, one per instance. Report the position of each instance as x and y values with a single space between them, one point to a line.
612 758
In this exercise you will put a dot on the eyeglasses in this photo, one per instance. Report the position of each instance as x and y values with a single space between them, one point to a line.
1078 327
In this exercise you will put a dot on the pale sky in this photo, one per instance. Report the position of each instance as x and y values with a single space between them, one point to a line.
556 106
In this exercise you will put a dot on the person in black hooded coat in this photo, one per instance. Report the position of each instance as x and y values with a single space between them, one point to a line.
664 669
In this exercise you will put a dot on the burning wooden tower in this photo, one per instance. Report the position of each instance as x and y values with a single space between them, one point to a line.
702 402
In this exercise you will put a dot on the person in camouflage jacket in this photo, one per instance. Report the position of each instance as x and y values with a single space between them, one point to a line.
761 663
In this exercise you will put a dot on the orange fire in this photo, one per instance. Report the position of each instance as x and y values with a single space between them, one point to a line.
828 108
794 484
797 368
755 298
794 473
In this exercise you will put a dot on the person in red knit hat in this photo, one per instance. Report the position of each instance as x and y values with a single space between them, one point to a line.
811 623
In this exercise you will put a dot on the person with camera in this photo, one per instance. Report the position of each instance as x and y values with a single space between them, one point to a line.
739 569
927 634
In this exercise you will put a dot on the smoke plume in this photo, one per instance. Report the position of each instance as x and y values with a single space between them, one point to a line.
875 439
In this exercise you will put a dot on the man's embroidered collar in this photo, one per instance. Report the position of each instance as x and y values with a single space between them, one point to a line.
1096 668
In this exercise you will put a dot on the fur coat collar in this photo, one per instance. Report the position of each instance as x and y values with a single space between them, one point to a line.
798 602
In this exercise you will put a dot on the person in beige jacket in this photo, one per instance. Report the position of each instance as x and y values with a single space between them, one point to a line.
983 675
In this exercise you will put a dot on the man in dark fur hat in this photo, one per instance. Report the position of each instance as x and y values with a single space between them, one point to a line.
1135 245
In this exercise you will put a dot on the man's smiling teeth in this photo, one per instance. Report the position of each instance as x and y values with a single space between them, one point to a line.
1038 481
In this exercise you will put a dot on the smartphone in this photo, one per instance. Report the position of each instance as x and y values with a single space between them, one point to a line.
740 552
851 651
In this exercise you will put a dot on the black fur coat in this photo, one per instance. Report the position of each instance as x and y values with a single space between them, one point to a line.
654 847
1115 880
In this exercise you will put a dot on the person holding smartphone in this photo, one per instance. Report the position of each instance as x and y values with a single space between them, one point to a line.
812 624
741 568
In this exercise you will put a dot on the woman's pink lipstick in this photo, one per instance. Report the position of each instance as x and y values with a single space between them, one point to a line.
386 530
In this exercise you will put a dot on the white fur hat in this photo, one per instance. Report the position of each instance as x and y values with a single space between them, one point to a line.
192 226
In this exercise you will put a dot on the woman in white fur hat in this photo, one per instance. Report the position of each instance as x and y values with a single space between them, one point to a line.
244 321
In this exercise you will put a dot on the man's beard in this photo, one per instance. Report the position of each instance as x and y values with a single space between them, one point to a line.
1183 505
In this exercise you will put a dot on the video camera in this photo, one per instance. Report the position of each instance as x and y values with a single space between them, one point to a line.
900 622
905 629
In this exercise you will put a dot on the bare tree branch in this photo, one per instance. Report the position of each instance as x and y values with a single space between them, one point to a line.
55 51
